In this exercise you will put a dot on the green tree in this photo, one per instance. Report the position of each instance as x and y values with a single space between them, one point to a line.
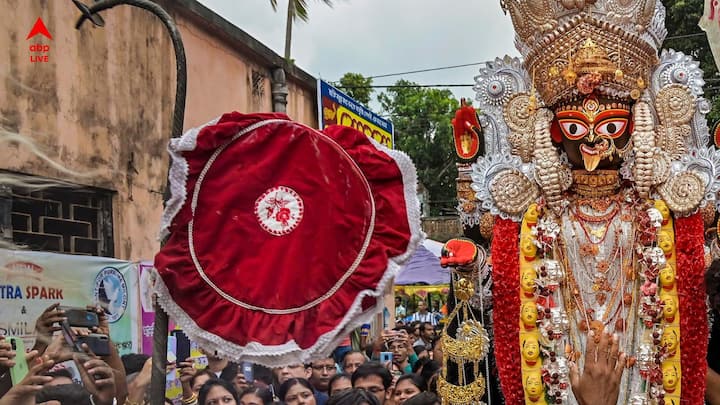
421 117
685 35
357 86
296 9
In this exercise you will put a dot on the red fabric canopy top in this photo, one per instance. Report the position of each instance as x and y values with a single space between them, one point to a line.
282 238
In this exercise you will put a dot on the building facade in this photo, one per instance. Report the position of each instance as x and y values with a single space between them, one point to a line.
99 102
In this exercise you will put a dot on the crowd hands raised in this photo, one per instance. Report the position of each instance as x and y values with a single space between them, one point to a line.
47 379
395 369
62 370
399 368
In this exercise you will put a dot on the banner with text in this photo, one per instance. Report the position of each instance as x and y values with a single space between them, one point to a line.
337 108
32 281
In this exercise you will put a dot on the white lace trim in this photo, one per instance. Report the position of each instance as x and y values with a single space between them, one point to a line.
178 175
412 203
290 352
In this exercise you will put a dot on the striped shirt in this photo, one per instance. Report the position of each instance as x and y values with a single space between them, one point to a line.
426 317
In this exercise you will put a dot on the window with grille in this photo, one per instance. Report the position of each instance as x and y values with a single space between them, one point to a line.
75 220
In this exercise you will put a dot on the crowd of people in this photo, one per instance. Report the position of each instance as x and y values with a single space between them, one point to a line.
359 377
396 368
432 316
400 367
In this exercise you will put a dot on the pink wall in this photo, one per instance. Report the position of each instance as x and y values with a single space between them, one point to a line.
102 104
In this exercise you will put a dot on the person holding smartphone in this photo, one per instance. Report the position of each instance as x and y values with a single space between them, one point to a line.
23 393
46 324
113 359
7 361
52 319
97 378
399 349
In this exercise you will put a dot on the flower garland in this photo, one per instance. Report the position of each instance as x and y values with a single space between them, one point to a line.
533 367
659 354
691 292
505 254
552 321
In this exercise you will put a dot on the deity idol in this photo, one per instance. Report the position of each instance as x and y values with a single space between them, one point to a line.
592 192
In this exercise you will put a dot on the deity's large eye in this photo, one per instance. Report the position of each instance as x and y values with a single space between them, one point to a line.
612 128
573 129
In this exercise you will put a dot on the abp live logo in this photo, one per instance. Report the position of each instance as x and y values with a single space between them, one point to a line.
39 52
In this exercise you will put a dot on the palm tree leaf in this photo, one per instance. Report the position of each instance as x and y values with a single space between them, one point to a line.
273 3
301 10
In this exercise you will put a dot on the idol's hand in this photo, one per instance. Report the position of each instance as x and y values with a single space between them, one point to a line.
459 252
599 383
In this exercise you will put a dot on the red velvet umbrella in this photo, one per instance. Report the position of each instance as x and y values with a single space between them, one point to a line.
282 239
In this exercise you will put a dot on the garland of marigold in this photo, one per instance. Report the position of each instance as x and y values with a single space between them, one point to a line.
691 292
505 252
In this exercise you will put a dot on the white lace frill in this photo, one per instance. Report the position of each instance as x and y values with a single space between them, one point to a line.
178 175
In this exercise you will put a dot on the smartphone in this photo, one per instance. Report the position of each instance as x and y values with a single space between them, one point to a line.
247 370
172 350
98 343
386 357
200 362
365 330
20 369
80 317
183 345
70 337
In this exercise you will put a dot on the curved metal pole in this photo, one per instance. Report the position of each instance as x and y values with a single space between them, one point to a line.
180 63
159 356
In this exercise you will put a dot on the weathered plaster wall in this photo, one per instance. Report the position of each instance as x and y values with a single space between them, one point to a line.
302 104
102 105
220 79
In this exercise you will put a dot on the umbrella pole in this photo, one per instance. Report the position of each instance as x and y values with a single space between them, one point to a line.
160 331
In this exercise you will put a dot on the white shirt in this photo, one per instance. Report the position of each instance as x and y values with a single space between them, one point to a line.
426 317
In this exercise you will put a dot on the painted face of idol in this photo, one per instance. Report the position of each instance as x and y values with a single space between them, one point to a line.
593 131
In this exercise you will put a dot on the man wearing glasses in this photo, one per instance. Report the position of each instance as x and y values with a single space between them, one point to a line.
321 373
375 379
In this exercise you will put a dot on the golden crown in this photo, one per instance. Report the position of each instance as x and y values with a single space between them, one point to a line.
575 47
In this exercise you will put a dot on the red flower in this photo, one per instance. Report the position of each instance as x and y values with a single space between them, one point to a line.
505 251
283 215
691 293
649 288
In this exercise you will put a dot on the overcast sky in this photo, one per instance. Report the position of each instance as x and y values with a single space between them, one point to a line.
376 37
